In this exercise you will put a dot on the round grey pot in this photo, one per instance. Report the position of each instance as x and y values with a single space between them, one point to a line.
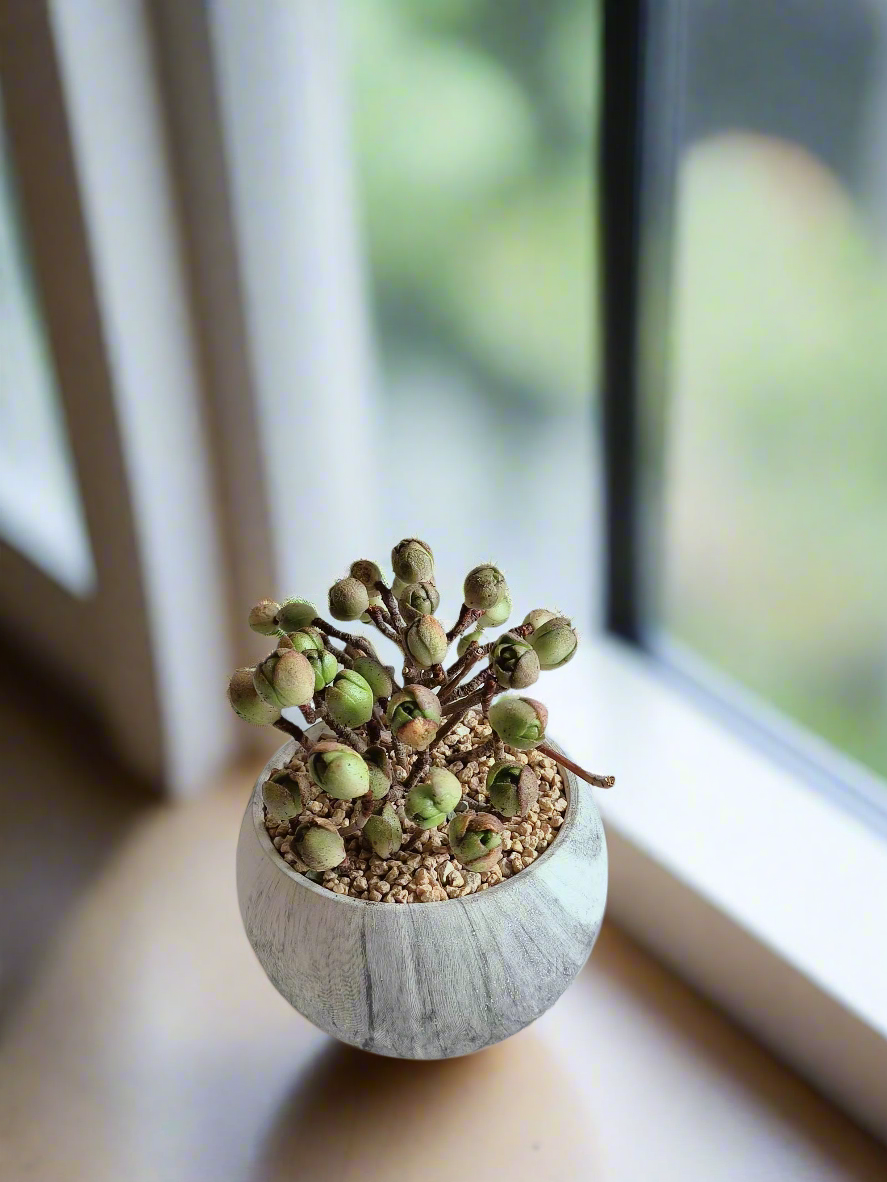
426 980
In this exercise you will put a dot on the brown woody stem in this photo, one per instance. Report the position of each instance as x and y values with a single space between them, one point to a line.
346 637
352 738
467 617
476 752
294 732
378 618
390 601
469 693
588 777
421 765
457 671
442 734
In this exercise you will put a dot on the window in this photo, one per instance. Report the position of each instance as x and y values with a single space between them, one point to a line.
774 563
472 128
40 507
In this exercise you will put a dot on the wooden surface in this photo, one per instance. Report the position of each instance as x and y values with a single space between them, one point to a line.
434 980
149 1045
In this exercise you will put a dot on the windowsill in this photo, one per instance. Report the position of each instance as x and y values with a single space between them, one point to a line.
778 862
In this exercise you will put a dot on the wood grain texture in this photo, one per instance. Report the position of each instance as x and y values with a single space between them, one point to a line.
426 980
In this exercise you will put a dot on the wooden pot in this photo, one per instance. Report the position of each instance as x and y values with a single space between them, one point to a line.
426 980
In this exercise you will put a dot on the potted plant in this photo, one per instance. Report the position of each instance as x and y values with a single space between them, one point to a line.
418 871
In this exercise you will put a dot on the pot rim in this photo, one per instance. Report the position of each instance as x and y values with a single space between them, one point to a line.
278 760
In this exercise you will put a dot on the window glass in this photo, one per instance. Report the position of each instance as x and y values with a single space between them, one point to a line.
472 122
775 529
40 509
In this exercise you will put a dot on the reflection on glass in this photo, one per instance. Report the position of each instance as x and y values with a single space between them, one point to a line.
472 127
776 488
40 509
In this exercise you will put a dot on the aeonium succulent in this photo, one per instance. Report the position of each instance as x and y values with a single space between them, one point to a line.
349 699
383 832
418 599
263 617
466 641
338 770
555 642
295 614
285 679
413 561
514 662
246 702
426 641
476 840
414 715
319 844
519 722
348 599
379 769
367 572
375 675
495 616
429 803
513 788
484 587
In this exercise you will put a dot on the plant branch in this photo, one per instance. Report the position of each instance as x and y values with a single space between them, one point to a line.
378 618
390 601
346 637
469 691
442 734
293 731
476 752
352 738
420 766
588 777
467 617
458 669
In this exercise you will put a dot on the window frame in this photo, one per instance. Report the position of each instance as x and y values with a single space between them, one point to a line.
812 985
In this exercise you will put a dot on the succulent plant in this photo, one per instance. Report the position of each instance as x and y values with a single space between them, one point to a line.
555 642
367 572
426 641
476 840
496 616
414 715
484 587
338 770
349 699
514 662
263 617
387 759
295 614
513 788
375 675
245 700
429 803
348 599
519 722
280 798
466 641
285 679
418 599
413 561
319 845
383 832
538 616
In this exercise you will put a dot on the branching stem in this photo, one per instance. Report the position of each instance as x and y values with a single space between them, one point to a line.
345 733
588 777
467 617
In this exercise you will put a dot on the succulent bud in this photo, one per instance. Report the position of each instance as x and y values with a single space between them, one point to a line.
484 587
295 614
366 572
413 561
476 840
555 642
513 788
285 679
514 662
397 586
339 770
246 702
319 844
374 601
278 798
418 599
519 722
426 641
262 618
538 616
384 833
414 715
375 675
469 639
348 599
428 804
349 699
303 640
325 667
496 616
380 777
